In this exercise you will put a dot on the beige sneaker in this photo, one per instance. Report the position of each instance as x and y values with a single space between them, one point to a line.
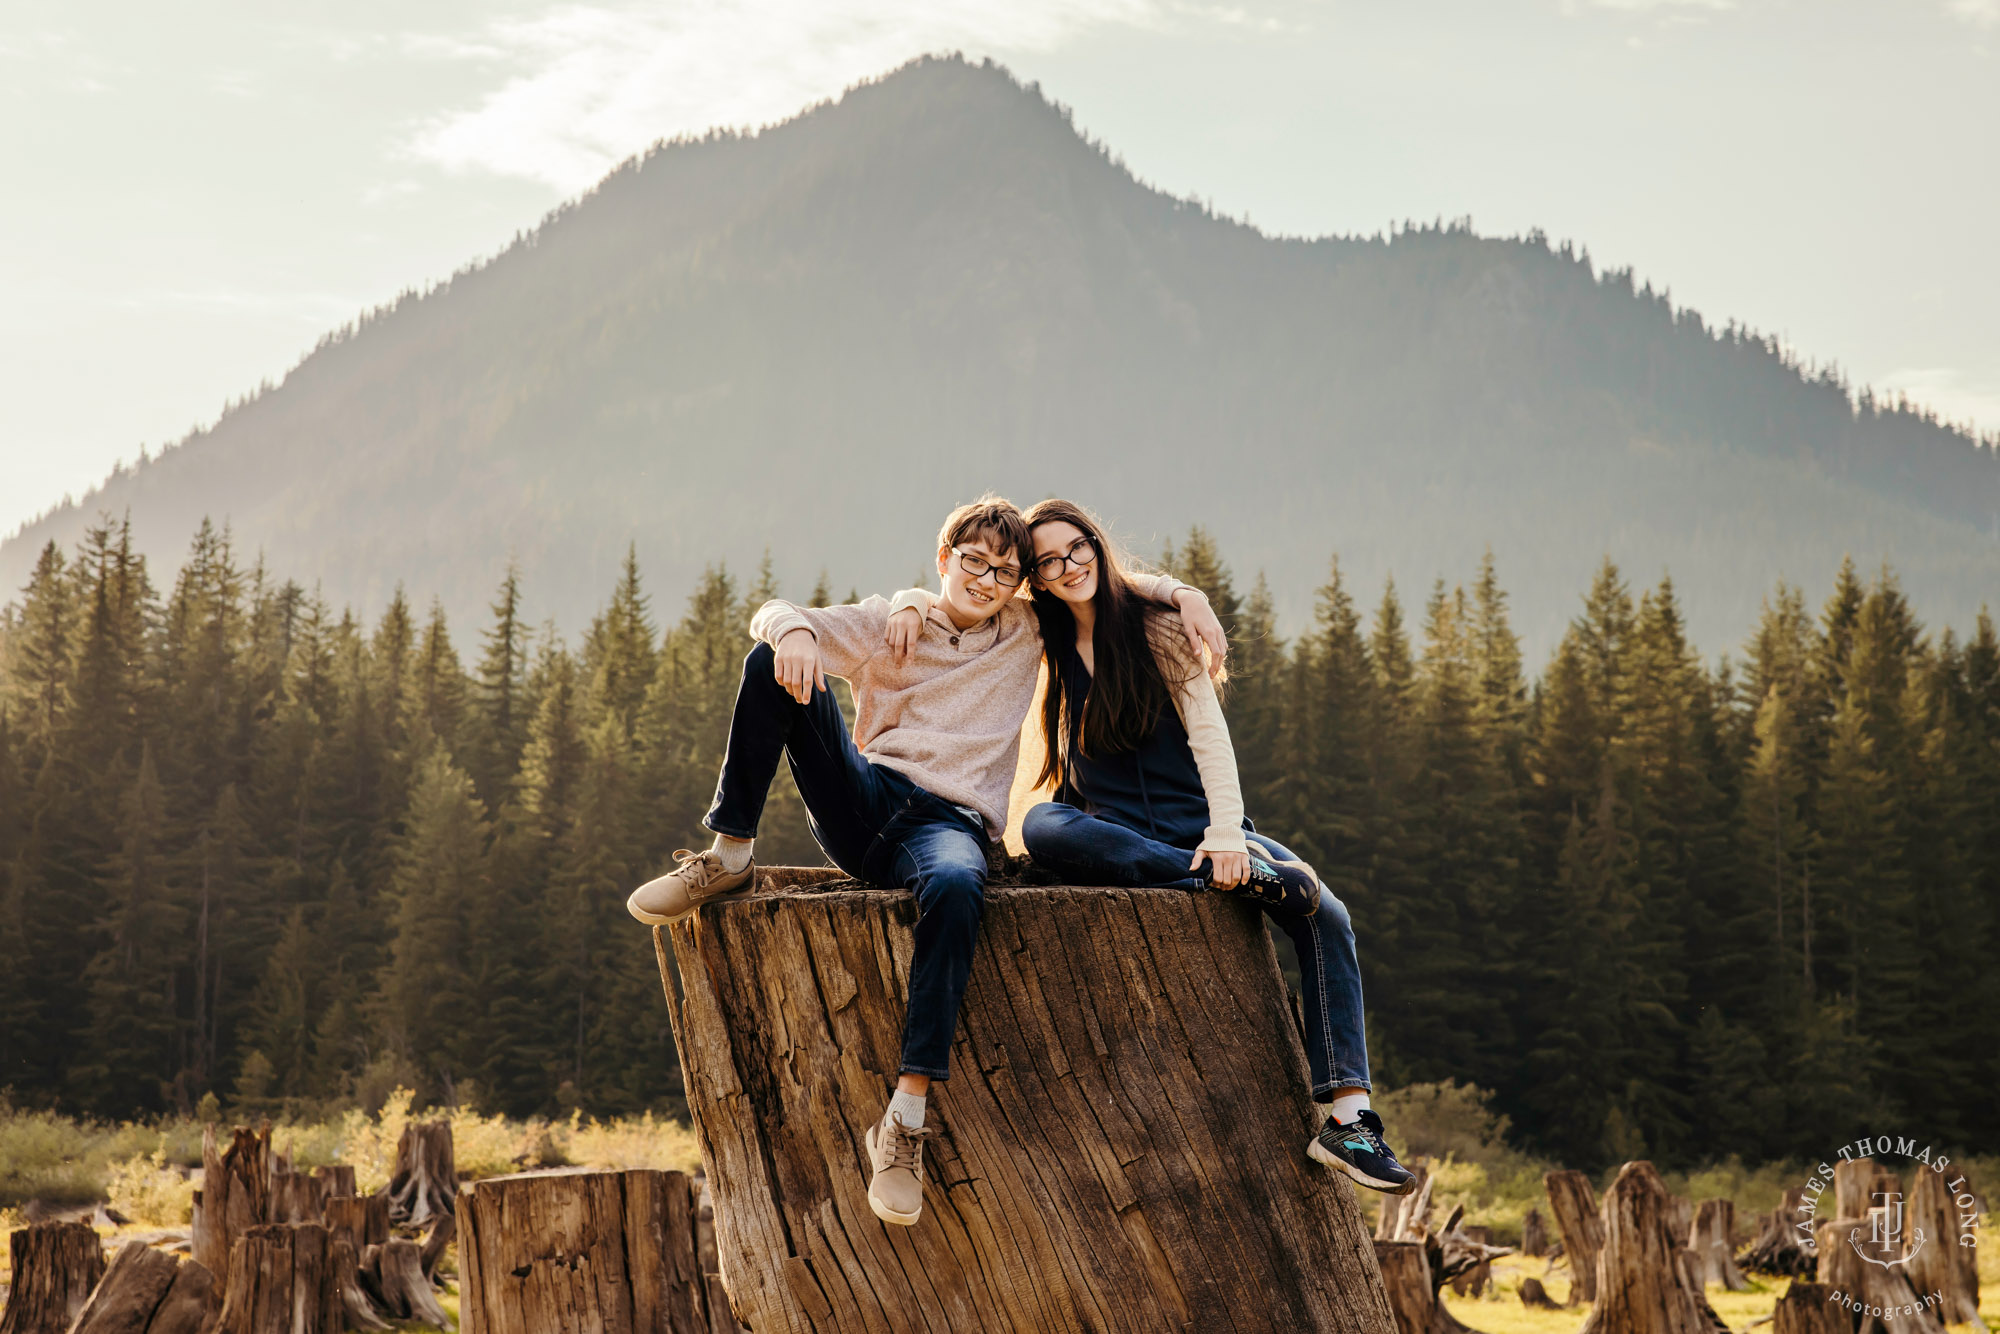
697 880
896 1193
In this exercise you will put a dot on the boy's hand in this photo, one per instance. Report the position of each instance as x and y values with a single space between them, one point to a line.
1226 870
905 628
798 667
1199 620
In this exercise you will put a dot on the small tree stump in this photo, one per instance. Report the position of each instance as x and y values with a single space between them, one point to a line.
150 1292
1779 1246
1536 1297
1808 1308
1406 1278
55 1267
1858 1185
1941 1264
362 1220
1854 1264
1646 1282
425 1182
393 1275
1573 1204
1714 1251
1534 1234
598 1250
235 1195
283 1279
1120 1145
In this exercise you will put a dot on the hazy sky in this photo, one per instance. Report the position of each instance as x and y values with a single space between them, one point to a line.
191 195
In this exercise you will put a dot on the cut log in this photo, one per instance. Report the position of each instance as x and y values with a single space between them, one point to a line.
235 1195
1779 1246
1809 1308
1534 1234
1536 1297
1940 1264
150 1292
1714 1251
1406 1278
1858 1262
1573 1204
363 1220
599 1250
425 1182
55 1267
1121 1144
1646 1280
282 1280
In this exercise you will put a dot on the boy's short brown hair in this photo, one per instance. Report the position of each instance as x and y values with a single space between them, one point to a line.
993 518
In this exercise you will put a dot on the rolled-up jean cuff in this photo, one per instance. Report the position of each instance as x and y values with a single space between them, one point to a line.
1325 1092
728 833
925 1071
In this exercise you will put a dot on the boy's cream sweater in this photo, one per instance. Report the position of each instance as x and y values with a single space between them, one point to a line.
950 716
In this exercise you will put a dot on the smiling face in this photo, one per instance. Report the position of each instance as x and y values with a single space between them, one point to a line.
970 599
1059 537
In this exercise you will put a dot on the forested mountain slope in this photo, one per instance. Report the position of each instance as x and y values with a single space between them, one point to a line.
817 338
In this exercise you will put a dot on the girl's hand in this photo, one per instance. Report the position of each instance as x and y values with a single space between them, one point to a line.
1227 870
1203 630
798 667
905 627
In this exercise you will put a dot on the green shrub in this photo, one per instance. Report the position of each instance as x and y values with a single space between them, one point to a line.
146 1190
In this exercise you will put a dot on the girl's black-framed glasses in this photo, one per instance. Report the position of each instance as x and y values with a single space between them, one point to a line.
978 567
1081 552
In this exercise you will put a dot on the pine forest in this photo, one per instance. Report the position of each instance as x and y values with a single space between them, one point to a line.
1662 901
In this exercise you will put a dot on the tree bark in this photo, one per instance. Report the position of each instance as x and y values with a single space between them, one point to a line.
1808 1308
362 1220
1406 1279
55 1266
1852 1263
283 1279
1712 1241
1941 1264
617 1249
150 1292
1573 1204
425 1182
1121 1146
235 1195
1646 1280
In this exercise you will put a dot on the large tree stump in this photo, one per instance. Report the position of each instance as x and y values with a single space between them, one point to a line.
1646 1280
1860 1265
150 1292
1941 1264
425 1181
1573 1204
362 1220
235 1194
595 1250
1712 1241
1808 1308
55 1267
1121 1145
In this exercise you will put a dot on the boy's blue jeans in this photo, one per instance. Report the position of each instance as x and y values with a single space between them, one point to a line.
876 825
1092 851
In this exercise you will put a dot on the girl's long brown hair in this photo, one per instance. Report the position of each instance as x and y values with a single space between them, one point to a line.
1128 690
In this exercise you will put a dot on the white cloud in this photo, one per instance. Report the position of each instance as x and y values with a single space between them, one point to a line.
1979 13
588 85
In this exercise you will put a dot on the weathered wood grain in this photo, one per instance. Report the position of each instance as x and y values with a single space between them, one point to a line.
1121 1145
1573 1204
1647 1282
150 1292
55 1265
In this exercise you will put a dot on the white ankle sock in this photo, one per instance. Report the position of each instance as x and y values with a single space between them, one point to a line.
909 1106
734 852
1348 1107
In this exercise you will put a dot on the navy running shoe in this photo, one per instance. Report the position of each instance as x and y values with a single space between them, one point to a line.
1288 888
1359 1150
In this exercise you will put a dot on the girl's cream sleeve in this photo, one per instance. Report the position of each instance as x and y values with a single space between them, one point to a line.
1214 756
1025 794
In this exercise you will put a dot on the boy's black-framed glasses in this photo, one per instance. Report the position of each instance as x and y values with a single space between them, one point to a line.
979 567
1050 567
